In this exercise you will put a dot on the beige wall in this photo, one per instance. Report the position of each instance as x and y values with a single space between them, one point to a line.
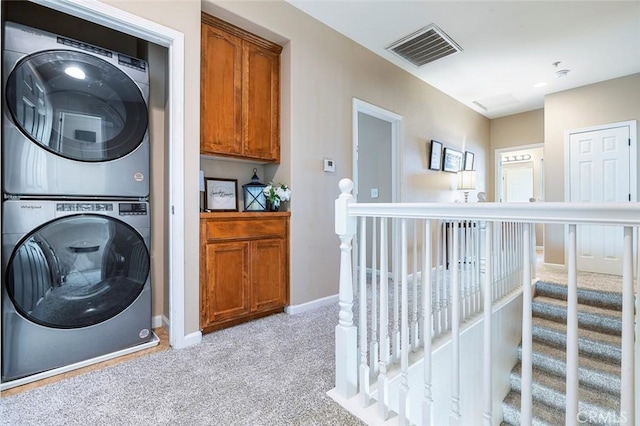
325 71
611 101
515 130
183 16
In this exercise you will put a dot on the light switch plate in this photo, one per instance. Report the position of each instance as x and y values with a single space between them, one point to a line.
374 192
329 165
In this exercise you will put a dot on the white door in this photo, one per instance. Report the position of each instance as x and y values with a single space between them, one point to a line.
600 172
518 182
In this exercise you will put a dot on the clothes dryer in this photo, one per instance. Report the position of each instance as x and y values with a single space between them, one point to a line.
76 282
75 118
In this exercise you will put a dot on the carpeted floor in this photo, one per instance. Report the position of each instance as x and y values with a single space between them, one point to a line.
273 371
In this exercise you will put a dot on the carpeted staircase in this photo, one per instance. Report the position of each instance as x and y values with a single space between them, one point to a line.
600 326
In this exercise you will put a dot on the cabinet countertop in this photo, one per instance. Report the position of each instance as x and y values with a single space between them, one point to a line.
240 215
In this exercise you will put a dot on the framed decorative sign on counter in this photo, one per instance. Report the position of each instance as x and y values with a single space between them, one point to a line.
452 160
222 194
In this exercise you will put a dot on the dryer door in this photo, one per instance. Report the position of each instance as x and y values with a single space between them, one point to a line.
76 105
77 271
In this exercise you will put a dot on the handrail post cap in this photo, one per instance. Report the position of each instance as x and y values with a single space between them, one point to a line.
345 185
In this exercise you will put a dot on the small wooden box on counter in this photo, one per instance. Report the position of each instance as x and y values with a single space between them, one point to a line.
244 267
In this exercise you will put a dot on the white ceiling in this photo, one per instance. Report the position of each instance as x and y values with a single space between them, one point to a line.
507 46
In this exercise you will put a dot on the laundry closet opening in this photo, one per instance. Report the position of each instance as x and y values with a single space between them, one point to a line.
107 141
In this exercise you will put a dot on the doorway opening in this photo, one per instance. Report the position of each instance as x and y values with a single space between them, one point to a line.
376 156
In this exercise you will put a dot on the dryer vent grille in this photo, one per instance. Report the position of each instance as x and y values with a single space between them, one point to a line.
424 46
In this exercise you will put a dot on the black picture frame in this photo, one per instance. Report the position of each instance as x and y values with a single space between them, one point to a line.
468 160
435 156
452 160
221 194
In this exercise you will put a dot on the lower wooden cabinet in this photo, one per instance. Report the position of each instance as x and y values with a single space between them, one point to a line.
244 267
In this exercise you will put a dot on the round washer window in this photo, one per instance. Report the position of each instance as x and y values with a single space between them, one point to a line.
77 271
77 105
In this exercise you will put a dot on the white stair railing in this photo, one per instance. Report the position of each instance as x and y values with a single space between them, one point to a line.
426 271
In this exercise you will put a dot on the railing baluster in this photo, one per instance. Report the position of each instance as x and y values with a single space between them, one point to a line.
427 401
362 322
526 401
439 273
454 417
627 397
487 335
571 390
383 379
415 340
404 331
395 337
373 345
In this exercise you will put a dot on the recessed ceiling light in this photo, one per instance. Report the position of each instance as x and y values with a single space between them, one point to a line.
541 84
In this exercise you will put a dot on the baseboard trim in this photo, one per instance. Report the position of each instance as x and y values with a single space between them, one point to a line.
157 321
309 306
190 340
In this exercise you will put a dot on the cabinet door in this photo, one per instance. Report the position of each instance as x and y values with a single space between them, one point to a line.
220 92
261 103
269 267
226 290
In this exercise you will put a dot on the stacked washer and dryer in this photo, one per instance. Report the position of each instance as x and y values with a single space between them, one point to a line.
75 213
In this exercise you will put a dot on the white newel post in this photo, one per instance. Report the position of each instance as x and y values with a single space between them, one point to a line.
346 332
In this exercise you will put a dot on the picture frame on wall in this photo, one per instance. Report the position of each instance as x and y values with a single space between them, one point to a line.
435 156
222 194
468 160
452 160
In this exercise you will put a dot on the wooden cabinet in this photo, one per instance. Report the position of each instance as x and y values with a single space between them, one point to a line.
239 92
244 267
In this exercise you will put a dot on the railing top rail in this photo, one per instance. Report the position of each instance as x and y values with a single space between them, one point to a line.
539 212
626 214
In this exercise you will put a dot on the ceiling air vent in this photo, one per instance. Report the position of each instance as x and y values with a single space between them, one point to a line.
424 46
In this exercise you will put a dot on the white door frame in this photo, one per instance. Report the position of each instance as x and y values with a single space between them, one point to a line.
111 17
396 137
498 167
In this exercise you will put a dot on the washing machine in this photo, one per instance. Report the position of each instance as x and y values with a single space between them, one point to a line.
75 118
76 282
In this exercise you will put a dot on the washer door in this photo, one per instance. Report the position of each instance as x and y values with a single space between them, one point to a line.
76 105
77 271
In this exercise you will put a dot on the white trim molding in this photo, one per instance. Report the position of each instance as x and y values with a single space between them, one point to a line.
309 306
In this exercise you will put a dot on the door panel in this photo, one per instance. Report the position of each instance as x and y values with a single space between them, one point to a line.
267 276
600 173
226 266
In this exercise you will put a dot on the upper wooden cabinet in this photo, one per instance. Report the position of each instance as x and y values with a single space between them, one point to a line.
239 92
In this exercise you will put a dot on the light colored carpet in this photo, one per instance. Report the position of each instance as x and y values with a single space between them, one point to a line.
587 280
272 371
